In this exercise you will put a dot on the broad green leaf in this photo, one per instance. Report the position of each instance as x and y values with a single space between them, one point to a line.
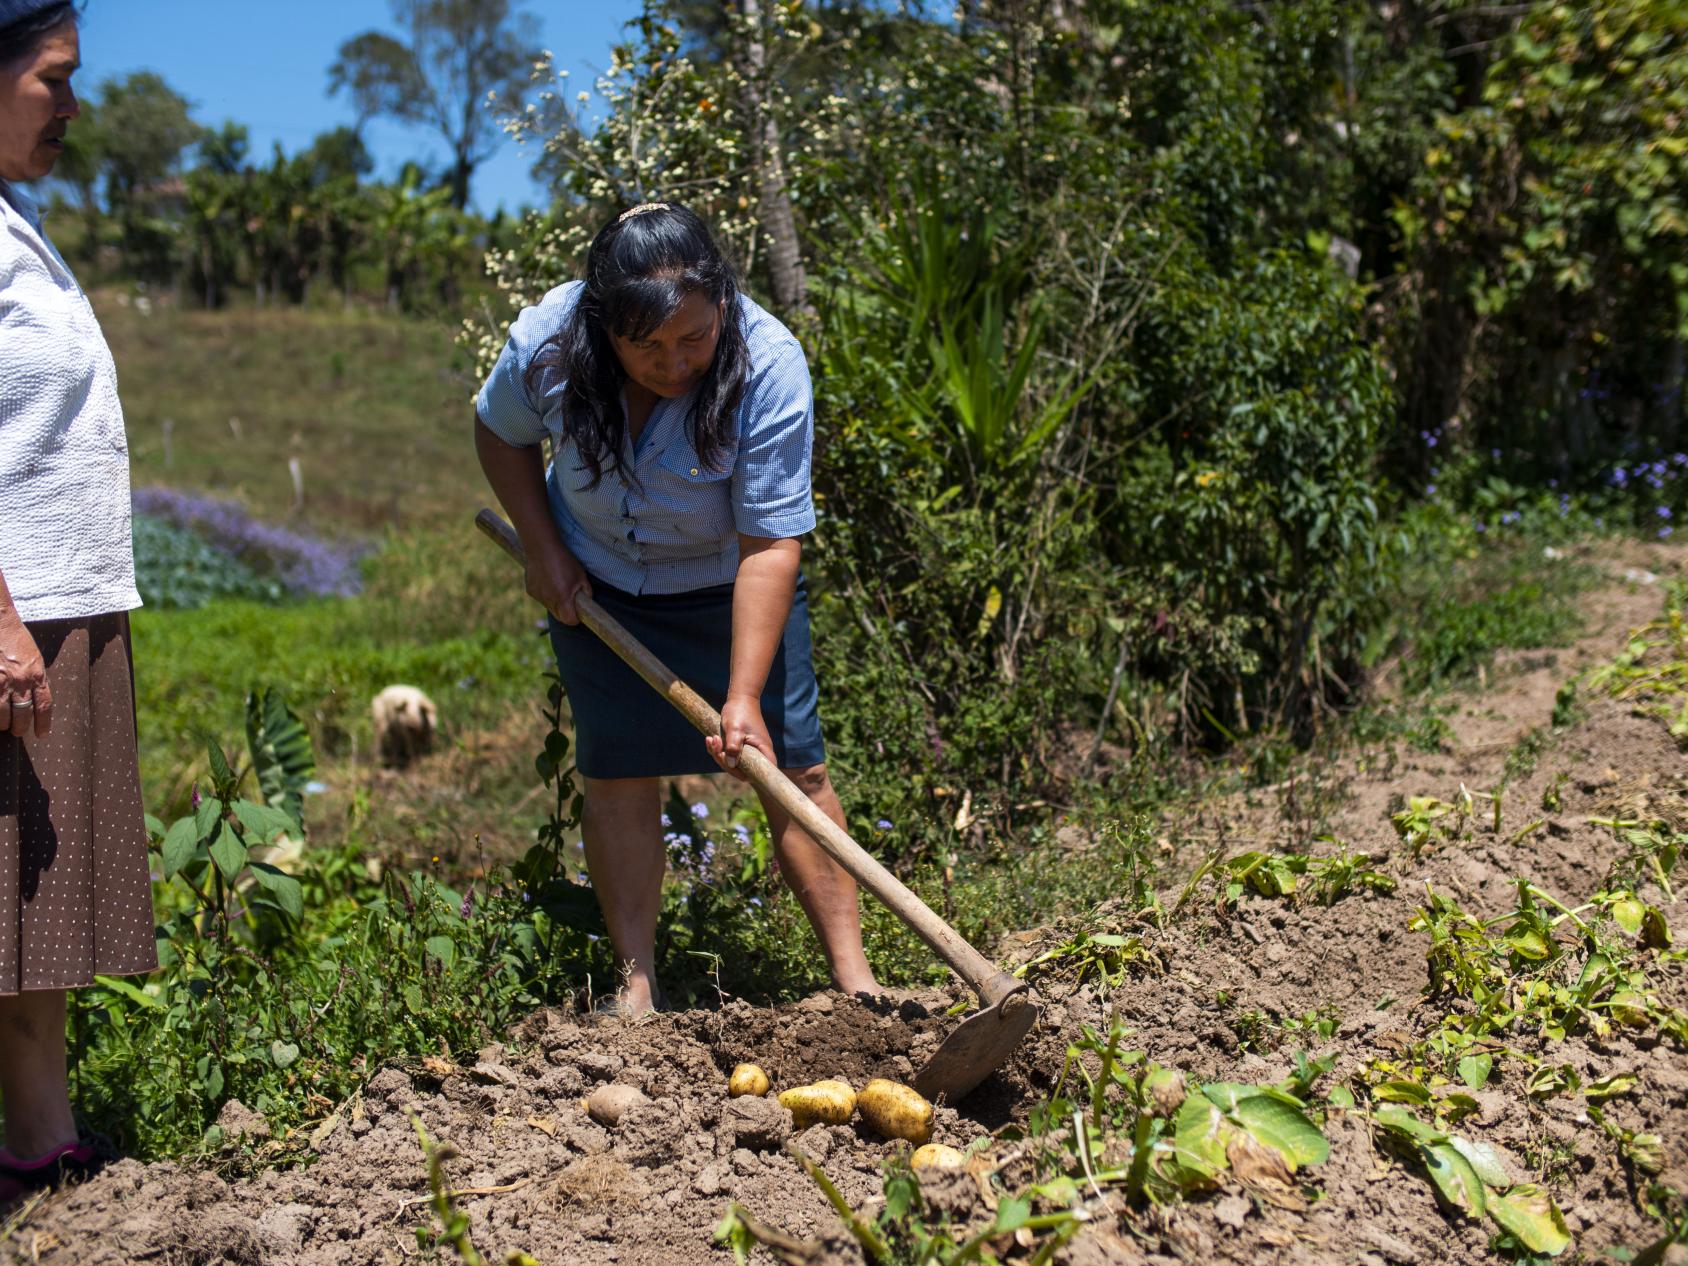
1454 1178
282 755
442 948
1404 1123
181 842
126 989
282 1054
993 606
1594 971
1226 1095
1646 1152
205 817
1529 943
1629 1007
221 774
1458 1104
1062 1191
413 1000
1485 1160
263 824
1611 1087
287 891
1012 1212
1655 932
228 852
1530 1216
1198 1145
1402 1092
1627 913
1284 1128
155 828
1474 1070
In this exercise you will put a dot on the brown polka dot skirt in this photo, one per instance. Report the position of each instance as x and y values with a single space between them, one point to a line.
75 897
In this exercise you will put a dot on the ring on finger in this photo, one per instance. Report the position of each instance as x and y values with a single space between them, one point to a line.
22 703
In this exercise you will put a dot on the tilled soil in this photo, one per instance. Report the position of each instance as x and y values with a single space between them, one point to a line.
1210 994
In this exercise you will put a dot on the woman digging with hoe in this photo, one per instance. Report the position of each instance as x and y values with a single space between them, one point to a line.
681 424
75 901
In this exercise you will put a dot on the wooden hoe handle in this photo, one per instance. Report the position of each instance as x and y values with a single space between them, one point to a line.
982 976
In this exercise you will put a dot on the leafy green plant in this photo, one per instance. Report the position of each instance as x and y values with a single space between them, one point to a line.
176 568
1471 1179
1420 824
1652 671
453 1231
1327 878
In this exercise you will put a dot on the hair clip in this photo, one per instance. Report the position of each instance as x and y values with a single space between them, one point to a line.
641 209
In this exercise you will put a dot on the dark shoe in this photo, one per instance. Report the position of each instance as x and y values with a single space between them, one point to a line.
76 1159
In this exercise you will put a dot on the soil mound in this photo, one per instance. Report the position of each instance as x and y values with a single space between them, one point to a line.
1229 987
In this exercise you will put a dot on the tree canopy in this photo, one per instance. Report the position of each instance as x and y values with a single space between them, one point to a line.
453 60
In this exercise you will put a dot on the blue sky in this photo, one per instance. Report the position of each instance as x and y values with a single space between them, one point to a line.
265 64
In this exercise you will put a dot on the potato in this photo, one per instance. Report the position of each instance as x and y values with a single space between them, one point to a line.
831 1102
896 1111
937 1156
747 1079
609 1103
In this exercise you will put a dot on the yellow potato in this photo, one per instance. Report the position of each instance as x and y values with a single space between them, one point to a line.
937 1156
747 1079
896 1111
831 1102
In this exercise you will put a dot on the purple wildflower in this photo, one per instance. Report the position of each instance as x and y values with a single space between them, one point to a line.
884 824
700 810
1664 512
665 820
468 906
305 565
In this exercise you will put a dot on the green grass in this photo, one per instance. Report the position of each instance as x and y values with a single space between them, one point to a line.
371 405
1463 597
441 611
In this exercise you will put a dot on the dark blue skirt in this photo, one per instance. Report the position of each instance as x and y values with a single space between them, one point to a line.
624 729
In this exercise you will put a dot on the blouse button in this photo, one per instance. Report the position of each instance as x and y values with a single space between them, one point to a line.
694 470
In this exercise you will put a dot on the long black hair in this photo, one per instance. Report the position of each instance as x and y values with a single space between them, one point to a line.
639 270
22 38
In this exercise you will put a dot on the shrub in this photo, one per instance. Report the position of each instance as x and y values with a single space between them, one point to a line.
176 568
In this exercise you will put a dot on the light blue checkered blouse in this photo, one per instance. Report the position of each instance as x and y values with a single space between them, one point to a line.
675 527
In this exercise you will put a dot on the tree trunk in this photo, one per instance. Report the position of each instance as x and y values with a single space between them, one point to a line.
461 170
785 252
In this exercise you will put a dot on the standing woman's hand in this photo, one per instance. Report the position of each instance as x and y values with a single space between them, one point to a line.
741 726
555 576
26 700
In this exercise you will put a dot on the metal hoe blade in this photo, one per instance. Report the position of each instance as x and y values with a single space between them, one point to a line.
979 1046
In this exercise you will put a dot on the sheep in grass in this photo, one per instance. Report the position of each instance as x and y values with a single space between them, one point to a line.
404 724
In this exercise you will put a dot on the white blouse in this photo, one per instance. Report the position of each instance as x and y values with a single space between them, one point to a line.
65 545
